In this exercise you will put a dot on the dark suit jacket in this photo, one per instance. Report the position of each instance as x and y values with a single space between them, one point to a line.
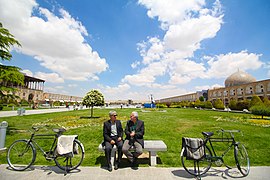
107 130
139 132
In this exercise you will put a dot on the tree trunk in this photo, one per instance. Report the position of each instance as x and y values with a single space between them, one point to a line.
92 107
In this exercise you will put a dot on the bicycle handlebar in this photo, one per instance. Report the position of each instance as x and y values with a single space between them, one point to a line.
222 130
56 130
230 131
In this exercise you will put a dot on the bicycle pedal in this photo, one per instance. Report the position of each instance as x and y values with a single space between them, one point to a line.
49 158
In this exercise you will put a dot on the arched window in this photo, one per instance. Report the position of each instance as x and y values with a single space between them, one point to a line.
259 88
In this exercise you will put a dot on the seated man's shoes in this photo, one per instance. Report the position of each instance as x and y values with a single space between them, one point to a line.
110 167
116 166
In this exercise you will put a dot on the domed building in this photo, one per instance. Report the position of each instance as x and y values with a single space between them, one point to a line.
239 78
238 86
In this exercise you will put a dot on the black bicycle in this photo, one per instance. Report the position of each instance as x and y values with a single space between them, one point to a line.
199 166
22 153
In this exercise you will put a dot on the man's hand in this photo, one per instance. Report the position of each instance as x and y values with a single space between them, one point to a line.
112 142
119 139
132 134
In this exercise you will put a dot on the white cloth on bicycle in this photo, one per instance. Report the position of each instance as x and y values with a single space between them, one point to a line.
65 144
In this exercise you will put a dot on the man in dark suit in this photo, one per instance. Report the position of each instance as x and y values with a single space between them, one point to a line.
113 135
134 137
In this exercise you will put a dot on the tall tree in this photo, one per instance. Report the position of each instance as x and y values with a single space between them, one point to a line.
93 98
10 76
7 40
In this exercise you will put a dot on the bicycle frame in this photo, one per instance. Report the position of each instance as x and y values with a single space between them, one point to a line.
47 154
215 158
45 136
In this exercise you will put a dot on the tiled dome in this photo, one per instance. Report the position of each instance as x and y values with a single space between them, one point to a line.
238 78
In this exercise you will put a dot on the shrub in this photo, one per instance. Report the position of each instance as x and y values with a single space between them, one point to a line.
233 104
1 107
260 110
208 105
266 102
218 104
161 105
240 105
255 100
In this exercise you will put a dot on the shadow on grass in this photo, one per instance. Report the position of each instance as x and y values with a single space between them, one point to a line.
88 117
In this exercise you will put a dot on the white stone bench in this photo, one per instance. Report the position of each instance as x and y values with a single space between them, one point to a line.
152 146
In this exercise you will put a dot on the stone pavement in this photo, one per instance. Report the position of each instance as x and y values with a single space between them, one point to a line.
34 111
142 173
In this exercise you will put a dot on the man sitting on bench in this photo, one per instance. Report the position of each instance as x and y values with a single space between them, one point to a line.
134 137
113 134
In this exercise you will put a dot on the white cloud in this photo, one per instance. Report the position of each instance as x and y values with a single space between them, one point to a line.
57 42
171 12
205 87
27 72
187 23
50 77
222 65
72 85
186 37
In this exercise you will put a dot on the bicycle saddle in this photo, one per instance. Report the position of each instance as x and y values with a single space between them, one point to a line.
208 134
59 130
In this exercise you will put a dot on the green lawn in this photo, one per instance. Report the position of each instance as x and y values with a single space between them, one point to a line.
169 125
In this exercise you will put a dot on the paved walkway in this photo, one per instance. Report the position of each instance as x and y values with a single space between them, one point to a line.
142 173
35 111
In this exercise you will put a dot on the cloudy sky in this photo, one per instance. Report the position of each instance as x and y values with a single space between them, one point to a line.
129 49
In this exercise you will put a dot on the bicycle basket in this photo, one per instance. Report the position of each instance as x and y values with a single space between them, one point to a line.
194 148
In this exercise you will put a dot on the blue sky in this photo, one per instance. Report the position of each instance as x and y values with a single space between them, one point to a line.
129 49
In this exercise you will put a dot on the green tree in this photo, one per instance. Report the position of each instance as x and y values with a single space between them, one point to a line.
7 40
93 98
208 105
266 102
261 110
218 104
233 104
255 100
10 76
201 98
243 104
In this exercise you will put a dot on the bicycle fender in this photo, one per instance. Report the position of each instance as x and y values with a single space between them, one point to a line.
81 145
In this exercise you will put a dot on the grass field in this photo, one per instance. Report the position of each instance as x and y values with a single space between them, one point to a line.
169 125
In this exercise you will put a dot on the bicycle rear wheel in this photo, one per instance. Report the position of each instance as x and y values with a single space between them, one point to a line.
71 161
197 167
241 159
21 155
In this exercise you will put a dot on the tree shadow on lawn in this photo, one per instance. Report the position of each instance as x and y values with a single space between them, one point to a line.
89 117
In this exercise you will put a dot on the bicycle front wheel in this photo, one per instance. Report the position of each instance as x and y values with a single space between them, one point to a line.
241 159
71 161
21 155
197 167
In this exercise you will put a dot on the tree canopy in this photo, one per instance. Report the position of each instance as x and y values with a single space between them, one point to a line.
10 76
7 40
93 98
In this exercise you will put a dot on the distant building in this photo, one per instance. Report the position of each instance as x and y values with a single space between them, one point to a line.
238 86
32 91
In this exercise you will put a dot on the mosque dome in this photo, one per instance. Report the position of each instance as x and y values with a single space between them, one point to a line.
238 78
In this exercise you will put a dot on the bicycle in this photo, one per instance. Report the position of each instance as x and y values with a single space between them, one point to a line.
22 153
198 167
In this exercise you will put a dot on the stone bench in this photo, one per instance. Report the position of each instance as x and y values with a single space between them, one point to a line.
152 146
